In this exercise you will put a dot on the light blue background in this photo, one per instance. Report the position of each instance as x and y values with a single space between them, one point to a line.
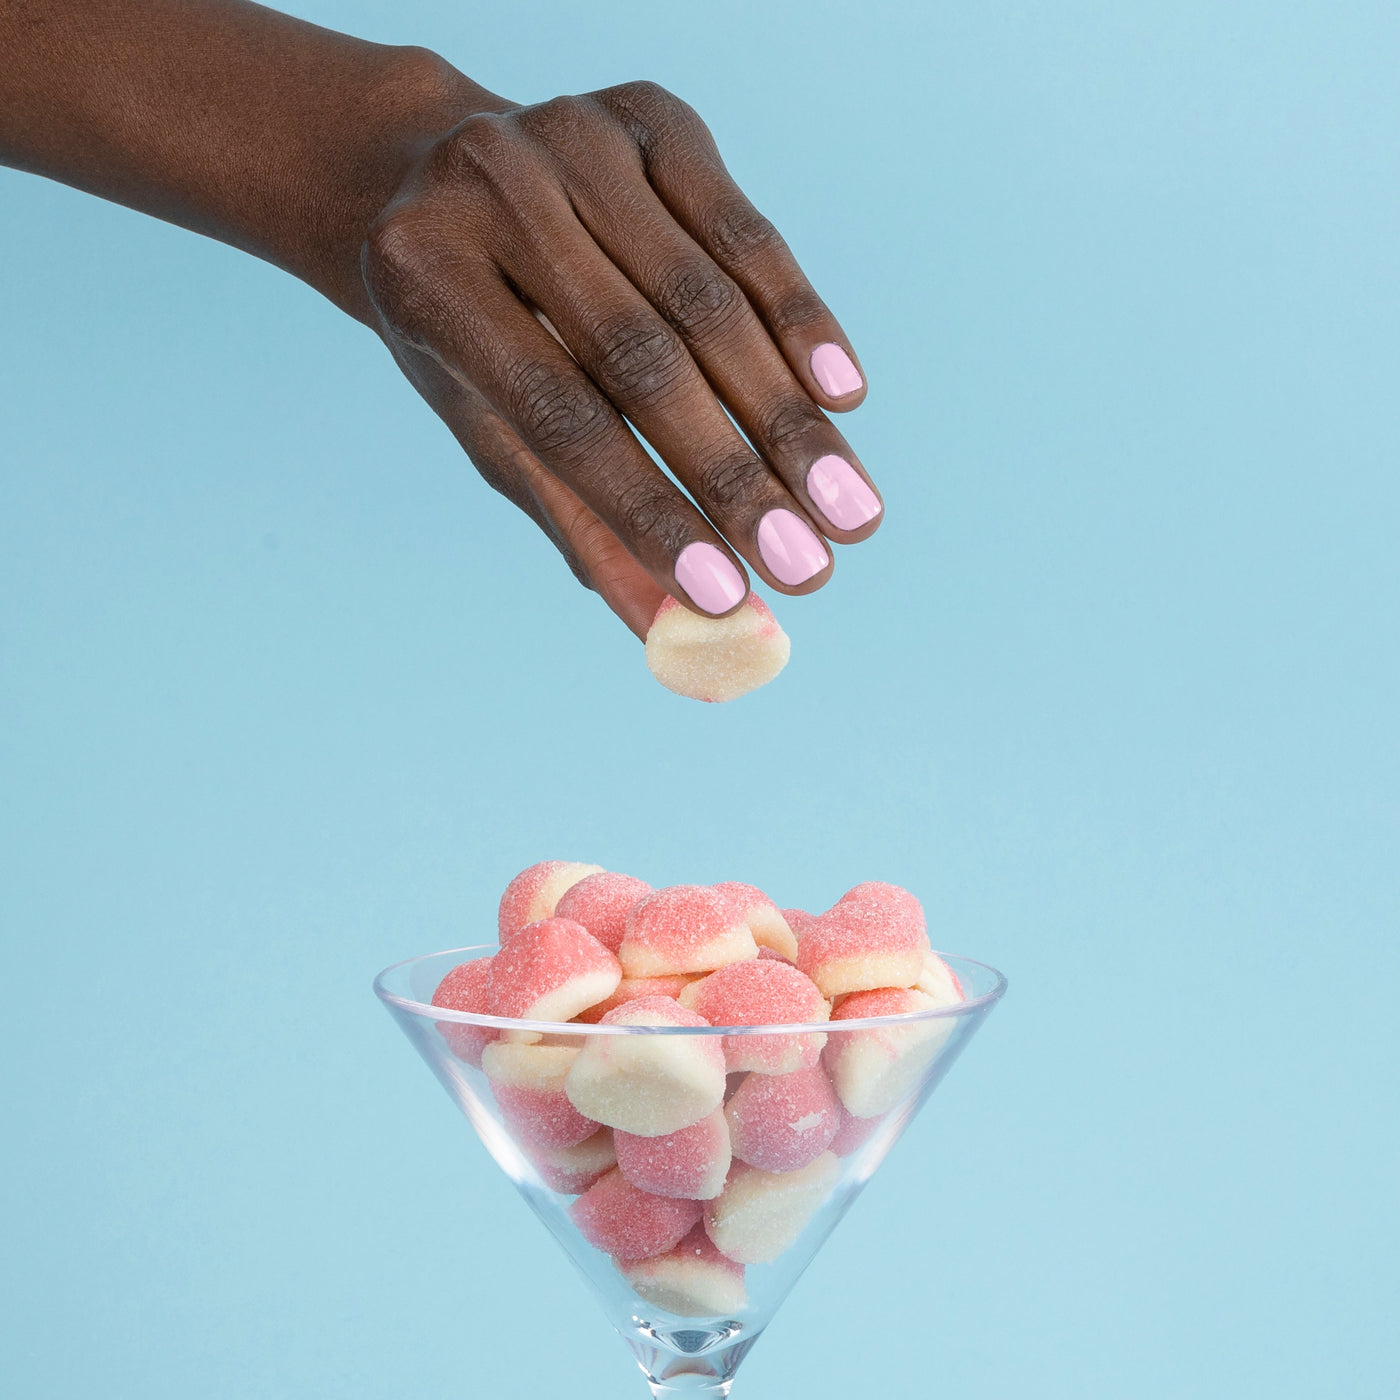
286 694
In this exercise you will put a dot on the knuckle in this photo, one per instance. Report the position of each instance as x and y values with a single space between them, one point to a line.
699 301
797 310
395 263
555 411
730 481
788 422
737 232
646 109
483 149
638 358
643 512
561 119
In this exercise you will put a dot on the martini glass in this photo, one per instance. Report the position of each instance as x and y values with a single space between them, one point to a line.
690 1314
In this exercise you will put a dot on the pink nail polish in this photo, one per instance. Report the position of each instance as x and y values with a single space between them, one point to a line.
789 548
833 370
710 581
841 493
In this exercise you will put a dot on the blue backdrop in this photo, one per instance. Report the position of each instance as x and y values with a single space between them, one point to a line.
286 694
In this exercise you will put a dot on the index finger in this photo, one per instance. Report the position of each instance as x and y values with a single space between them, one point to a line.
684 167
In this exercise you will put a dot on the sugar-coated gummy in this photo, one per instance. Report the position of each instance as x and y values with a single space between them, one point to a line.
467 987
550 971
765 920
865 942
692 1280
533 893
691 1163
762 992
876 1069
759 1215
780 1122
600 903
716 658
684 928
649 1085
572 1170
629 1223
528 1084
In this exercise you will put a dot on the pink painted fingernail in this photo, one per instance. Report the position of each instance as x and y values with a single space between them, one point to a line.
789 547
841 493
833 370
711 582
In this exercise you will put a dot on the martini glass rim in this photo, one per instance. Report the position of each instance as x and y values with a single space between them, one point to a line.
511 1023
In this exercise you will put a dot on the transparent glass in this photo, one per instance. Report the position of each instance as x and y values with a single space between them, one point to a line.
688 1313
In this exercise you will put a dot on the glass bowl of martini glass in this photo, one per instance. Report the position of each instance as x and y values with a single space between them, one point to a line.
690 1170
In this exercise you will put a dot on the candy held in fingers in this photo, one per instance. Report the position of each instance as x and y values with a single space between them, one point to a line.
630 988
685 928
572 1170
692 1280
780 1122
764 918
629 1223
550 971
533 893
691 1163
528 1084
716 658
759 1214
600 903
466 988
762 992
649 1085
861 944
876 1069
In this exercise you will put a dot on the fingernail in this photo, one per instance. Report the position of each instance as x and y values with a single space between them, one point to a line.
789 548
841 493
711 582
833 370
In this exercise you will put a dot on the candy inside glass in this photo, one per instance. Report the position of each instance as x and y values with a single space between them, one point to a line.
712 1272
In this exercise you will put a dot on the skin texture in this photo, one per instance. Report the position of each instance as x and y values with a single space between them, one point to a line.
554 279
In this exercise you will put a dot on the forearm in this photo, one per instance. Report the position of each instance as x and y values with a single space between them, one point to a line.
263 131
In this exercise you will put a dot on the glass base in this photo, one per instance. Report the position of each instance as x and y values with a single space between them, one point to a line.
691 1361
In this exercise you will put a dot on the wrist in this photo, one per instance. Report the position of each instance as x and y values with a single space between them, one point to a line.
409 99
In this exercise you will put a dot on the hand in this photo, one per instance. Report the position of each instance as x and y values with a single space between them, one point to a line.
455 222
547 275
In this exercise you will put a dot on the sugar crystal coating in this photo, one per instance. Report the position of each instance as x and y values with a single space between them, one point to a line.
765 920
630 988
685 928
629 1223
716 658
467 987
760 1214
690 1163
649 1085
528 1083
692 1280
780 1122
798 920
550 971
600 903
532 895
874 1070
864 942
762 992
572 1170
